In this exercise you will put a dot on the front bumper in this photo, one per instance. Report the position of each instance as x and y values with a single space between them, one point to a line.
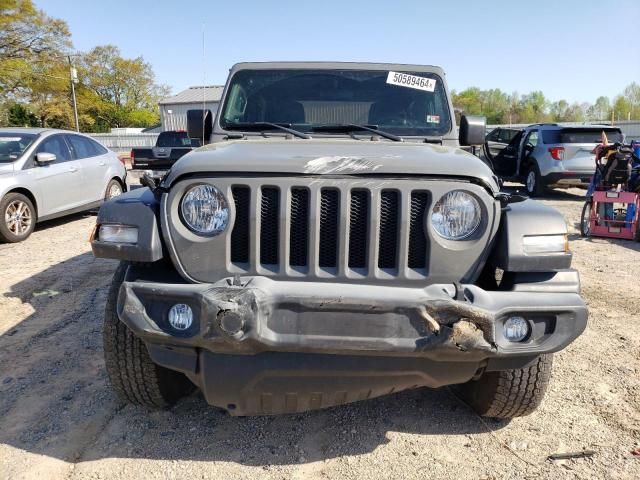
308 345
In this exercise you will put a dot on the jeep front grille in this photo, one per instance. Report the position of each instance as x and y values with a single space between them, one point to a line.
324 228
357 230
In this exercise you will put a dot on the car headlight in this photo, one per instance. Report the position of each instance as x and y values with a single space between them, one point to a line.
456 215
204 210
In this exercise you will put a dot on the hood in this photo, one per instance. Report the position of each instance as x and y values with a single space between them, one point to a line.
333 157
6 168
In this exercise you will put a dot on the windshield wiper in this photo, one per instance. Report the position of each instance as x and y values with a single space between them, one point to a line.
352 127
264 126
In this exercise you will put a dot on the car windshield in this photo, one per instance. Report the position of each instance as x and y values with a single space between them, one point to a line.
174 139
13 145
405 104
581 135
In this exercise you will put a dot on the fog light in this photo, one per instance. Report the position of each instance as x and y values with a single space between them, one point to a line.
118 234
516 329
180 316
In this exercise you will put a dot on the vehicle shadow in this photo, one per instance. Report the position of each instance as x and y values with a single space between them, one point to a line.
604 241
56 222
55 399
551 194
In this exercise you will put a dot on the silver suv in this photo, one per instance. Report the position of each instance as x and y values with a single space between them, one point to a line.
47 173
551 155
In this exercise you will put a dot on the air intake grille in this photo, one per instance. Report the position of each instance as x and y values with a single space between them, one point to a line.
329 217
358 228
269 225
299 236
240 233
388 238
417 239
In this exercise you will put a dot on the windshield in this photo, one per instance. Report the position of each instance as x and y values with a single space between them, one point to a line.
13 145
405 104
581 135
173 139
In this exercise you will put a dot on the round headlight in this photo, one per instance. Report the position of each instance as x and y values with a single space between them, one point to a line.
205 210
456 215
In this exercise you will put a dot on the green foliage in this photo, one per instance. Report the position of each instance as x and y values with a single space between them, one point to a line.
534 107
118 91
28 39
18 115
34 72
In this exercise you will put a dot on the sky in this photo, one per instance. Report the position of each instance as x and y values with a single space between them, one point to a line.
575 50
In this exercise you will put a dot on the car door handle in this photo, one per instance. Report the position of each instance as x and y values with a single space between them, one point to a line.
102 164
73 169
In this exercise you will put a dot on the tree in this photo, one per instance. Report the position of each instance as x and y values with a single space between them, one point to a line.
632 95
29 39
34 71
116 91
18 115
621 108
558 110
602 108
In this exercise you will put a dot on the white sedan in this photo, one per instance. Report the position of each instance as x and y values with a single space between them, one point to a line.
47 173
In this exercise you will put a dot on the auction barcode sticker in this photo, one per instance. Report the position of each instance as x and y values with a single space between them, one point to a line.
411 81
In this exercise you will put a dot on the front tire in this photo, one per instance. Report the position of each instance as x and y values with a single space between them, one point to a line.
17 217
509 393
133 375
533 181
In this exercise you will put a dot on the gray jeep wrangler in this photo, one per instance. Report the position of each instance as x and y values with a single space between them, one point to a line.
333 243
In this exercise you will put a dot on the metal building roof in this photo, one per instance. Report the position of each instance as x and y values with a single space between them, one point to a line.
211 93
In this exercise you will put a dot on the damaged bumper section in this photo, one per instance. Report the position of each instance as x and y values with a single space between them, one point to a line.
259 346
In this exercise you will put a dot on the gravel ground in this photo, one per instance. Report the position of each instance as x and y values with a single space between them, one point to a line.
60 419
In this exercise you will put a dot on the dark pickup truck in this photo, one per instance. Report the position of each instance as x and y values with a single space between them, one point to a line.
170 146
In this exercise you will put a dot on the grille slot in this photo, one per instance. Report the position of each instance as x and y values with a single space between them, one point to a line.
388 237
269 225
329 218
299 231
240 234
417 238
358 228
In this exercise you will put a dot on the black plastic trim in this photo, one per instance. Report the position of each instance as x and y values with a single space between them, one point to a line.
138 208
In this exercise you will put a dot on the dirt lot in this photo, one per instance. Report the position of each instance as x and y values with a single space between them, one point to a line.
60 419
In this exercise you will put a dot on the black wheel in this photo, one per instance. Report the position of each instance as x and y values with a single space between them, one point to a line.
585 219
133 375
509 393
533 181
114 188
18 217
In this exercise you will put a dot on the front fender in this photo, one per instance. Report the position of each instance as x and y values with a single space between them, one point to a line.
138 208
522 219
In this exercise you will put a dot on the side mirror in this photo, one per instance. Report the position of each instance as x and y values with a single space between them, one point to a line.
44 158
200 125
472 130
